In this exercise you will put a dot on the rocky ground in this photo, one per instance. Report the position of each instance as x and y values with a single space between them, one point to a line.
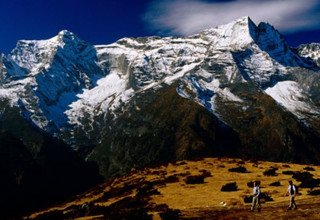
212 188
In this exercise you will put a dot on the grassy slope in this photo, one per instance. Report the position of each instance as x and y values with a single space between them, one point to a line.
166 185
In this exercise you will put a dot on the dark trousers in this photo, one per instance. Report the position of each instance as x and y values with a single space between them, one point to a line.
292 203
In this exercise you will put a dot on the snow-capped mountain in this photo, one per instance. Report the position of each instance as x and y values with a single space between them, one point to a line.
103 96
311 51
44 77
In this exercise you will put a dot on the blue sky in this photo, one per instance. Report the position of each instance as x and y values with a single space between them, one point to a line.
105 21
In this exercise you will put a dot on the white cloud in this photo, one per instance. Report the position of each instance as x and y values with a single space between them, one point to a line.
185 17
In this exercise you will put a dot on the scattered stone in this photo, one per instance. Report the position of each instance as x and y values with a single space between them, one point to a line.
197 179
270 172
288 172
205 173
302 176
239 169
306 179
310 183
314 192
309 168
172 179
277 183
229 187
250 184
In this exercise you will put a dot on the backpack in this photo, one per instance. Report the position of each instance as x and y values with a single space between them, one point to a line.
292 191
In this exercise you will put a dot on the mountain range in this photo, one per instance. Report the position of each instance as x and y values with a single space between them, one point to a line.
235 90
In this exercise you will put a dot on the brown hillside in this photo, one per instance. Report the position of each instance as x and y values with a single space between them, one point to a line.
192 190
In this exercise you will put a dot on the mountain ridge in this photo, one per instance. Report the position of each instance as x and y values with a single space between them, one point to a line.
75 91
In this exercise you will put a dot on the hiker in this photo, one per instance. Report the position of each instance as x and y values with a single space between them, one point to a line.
292 191
256 196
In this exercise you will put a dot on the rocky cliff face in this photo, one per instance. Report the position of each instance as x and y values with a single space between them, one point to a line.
237 89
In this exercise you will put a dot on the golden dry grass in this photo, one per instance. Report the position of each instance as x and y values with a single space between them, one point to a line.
194 199
182 196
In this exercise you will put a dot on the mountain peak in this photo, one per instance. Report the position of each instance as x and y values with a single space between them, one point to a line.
34 54
246 19
66 35
237 34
